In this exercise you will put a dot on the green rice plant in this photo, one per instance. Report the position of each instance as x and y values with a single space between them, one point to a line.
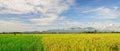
18 43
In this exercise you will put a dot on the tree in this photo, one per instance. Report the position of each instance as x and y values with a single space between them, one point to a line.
95 31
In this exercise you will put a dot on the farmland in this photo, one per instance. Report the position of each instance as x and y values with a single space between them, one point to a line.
19 43
60 42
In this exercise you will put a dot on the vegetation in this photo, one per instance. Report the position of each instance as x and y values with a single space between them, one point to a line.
45 32
81 42
19 43
60 42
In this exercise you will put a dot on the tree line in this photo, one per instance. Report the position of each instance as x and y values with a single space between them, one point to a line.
44 32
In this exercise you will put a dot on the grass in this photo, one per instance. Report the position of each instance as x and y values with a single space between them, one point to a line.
19 43
60 42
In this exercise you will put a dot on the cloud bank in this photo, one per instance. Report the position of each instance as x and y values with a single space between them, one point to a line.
49 10
104 12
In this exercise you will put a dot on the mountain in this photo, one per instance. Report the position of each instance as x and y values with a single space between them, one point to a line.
76 29
109 28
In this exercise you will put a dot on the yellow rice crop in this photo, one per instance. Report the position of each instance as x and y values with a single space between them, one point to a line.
81 42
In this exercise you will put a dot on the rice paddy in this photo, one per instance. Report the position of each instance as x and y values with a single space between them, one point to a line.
60 42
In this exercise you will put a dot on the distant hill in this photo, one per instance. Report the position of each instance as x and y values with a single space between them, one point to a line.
109 29
76 29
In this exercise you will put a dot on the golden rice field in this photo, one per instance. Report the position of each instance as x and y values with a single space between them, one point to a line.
60 42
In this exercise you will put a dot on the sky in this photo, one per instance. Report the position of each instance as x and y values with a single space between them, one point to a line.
41 15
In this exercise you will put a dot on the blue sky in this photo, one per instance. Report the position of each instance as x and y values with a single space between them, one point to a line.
84 5
39 15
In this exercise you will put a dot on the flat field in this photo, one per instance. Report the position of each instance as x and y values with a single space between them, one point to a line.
60 42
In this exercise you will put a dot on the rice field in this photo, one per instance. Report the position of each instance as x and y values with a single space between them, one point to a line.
19 43
60 42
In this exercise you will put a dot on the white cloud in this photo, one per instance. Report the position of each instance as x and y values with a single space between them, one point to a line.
17 26
111 27
104 12
48 9
45 20
116 8
106 26
14 26
15 7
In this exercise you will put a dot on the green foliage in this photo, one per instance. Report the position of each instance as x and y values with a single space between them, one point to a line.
19 43
60 42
